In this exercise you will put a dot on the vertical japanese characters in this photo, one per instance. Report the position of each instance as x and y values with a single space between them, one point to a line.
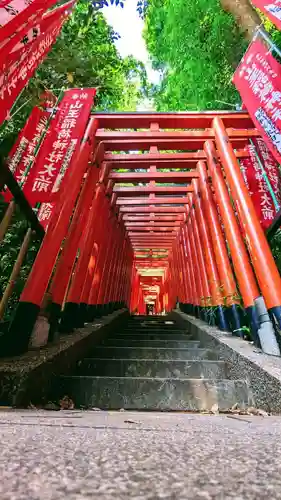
258 79
19 61
60 146
256 182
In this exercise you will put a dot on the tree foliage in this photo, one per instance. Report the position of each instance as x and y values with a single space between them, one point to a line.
196 46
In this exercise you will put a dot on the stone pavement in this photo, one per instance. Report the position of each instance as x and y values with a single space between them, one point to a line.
77 455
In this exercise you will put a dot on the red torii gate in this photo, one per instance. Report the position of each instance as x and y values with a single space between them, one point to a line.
146 223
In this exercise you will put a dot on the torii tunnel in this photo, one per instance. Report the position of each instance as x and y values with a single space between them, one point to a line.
157 215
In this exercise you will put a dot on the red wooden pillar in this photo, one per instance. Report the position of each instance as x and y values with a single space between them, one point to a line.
115 287
121 288
128 271
66 262
84 298
217 311
187 307
197 270
190 271
110 251
116 281
185 297
98 283
180 292
262 259
135 291
240 259
202 265
30 301
191 258
72 314
123 294
98 238
175 279
229 288
185 270
108 273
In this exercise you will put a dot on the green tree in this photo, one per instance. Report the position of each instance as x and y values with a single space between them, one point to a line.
196 46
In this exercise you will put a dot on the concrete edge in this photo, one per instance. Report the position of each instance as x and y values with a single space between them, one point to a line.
28 378
244 361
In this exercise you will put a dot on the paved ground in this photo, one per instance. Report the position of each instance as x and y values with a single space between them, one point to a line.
103 455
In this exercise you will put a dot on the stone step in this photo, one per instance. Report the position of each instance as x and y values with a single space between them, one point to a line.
151 325
151 336
146 331
144 393
181 344
152 368
130 352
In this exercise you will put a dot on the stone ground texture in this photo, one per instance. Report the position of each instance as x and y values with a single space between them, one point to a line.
77 455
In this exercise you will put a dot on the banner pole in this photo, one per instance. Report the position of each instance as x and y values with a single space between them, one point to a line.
261 31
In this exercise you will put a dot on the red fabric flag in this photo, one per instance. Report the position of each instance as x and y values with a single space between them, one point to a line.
45 213
271 8
256 183
18 12
10 89
60 146
258 79
15 48
23 151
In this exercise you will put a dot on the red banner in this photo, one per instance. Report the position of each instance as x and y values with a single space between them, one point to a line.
23 151
258 79
60 146
256 182
18 47
271 8
17 12
10 89
45 213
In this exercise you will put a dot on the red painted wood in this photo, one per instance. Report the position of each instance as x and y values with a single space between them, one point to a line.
140 190
144 210
192 120
152 218
155 200
174 158
165 144
151 225
112 135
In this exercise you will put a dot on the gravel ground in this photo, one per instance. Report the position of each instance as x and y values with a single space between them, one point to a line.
125 455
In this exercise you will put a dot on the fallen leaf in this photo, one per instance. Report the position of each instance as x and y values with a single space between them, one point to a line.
257 412
66 403
215 409
131 422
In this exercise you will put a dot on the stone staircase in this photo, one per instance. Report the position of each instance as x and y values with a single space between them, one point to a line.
153 365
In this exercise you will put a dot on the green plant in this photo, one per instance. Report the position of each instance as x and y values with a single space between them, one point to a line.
196 46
